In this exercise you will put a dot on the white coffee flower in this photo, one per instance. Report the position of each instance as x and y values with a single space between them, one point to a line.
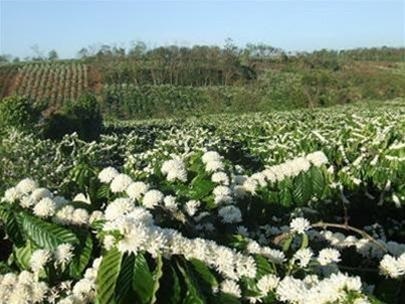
120 183
170 202
328 255
63 254
220 178
214 165
303 256
317 158
392 267
299 225
231 287
39 258
80 217
107 175
118 207
222 191
45 207
26 186
64 215
174 169
96 216
109 242
251 185
11 195
267 283
137 189
211 156
27 201
152 198
191 207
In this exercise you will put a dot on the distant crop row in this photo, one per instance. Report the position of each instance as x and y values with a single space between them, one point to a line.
6 77
52 82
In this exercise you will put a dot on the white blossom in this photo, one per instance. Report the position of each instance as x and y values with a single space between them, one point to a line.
39 259
174 169
118 207
80 216
136 189
63 254
152 198
231 287
220 178
303 256
26 186
328 255
120 183
267 283
107 175
45 207
191 207
299 225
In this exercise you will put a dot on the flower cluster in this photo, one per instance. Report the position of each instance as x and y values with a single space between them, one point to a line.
84 290
22 288
335 289
174 169
61 256
213 161
44 204
290 168
139 233
393 267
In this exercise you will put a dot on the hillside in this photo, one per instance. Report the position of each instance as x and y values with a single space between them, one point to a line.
174 81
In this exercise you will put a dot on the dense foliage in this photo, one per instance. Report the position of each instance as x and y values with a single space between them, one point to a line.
288 207
19 113
82 116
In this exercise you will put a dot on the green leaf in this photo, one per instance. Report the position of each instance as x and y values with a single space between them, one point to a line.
123 288
201 186
226 298
318 181
82 256
103 191
193 295
44 234
287 243
142 282
302 189
304 242
262 265
157 275
11 225
204 272
285 196
23 255
4 268
107 276
173 290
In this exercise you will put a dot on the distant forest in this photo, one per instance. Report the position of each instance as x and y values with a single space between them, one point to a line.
143 82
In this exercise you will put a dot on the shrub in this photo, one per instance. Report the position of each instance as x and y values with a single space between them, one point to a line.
19 113
82 116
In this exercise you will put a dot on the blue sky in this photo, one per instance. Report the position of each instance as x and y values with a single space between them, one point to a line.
292 25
